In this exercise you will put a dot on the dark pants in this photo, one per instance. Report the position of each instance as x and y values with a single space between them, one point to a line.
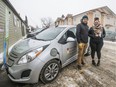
96 47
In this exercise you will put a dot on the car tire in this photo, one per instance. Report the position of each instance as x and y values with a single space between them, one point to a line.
50 71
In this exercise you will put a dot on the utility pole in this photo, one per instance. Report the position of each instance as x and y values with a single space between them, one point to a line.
6 36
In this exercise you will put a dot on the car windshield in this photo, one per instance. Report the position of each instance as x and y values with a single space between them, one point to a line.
49 34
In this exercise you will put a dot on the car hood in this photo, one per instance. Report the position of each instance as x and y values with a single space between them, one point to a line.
29 44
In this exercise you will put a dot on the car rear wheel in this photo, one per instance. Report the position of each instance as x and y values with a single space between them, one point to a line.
50 71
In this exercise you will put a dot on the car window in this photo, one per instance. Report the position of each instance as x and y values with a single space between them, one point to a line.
70 33
73 30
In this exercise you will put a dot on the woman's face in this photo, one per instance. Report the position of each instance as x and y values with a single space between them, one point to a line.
96 22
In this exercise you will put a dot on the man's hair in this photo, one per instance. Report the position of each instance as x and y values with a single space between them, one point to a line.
96 18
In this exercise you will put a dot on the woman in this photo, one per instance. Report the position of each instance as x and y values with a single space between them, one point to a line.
96 34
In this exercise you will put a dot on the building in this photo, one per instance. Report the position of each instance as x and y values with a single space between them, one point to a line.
106 15
17 27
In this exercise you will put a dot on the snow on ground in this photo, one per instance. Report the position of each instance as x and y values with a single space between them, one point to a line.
111 45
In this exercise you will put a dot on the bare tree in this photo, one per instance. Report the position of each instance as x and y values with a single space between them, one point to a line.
46 22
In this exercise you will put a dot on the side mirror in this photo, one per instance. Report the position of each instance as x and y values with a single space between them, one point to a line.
70 39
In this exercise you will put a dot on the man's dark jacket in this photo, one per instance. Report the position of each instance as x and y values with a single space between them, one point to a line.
82 33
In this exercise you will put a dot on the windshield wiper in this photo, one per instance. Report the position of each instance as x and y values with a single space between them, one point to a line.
39 39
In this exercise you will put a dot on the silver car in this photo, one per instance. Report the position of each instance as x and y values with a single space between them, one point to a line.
42 57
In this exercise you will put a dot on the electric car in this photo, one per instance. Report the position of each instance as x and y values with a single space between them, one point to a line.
42 57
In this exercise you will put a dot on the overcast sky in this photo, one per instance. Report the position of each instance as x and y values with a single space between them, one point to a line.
37 9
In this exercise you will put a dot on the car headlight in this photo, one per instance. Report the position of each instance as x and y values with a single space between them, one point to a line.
30 56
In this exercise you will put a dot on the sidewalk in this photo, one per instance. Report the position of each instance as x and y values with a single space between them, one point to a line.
111 45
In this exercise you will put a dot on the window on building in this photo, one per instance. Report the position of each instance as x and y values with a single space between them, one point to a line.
23 30
114 22
15 20
108 17
74 20
107 27
97 15
70 21
65 22
18 22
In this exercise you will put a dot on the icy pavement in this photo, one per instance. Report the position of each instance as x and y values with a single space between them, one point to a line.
90 76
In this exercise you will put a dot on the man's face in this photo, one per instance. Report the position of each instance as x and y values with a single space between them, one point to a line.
85 20
96 22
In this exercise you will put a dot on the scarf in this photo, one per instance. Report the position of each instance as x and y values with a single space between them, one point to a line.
98 29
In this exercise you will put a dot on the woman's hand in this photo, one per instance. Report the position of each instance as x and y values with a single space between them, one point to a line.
97 35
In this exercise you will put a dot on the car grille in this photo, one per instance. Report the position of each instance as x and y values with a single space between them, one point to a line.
13 55
11 58
10 62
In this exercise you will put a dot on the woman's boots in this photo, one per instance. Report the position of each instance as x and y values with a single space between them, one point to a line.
98 63
94 63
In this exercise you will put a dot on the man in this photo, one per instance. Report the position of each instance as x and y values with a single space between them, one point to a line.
96 34
82 39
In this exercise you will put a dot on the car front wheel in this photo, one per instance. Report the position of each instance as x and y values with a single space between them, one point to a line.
50 71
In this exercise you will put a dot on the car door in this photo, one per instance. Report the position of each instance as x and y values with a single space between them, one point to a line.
69 49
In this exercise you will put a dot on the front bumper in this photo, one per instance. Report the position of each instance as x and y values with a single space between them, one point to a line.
15 73
24 80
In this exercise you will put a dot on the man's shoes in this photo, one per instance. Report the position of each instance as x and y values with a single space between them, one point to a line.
98 63
93 62
79 67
